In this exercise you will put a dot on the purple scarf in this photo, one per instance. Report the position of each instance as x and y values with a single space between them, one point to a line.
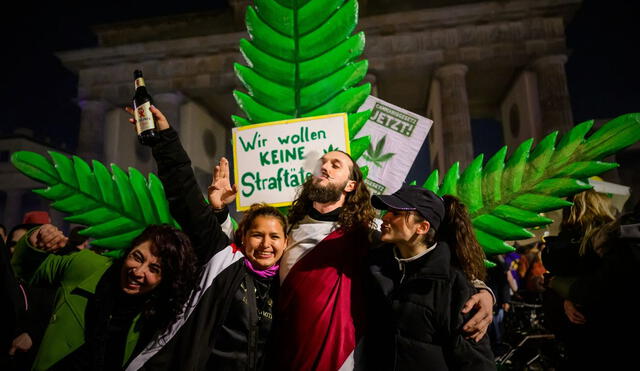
266 273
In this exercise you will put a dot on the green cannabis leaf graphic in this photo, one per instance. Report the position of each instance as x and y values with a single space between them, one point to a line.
376 155
331 148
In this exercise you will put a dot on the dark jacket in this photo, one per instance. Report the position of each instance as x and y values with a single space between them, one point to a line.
605 295
13 307
414 314
78 276
192 340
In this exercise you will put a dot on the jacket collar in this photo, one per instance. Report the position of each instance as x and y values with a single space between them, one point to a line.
388 270
90 283
433 262
415 257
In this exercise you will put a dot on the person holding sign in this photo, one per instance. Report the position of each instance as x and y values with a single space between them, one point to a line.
418 283
228 324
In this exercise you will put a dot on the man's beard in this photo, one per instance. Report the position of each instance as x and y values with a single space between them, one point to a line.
323 194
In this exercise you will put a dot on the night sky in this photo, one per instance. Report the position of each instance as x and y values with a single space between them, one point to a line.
37 92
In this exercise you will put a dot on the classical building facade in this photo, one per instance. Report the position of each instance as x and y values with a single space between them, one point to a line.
454 61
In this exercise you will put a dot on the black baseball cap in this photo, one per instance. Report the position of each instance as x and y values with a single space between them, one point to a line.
413 198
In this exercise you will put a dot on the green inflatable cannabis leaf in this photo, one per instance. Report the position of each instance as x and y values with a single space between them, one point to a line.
115 206
505 199
302 62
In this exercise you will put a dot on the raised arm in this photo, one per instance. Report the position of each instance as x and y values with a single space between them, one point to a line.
186 202
32 260
221 193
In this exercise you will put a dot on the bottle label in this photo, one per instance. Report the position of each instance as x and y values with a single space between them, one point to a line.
144 118
139 82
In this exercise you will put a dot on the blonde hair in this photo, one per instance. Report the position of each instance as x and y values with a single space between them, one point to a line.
590 214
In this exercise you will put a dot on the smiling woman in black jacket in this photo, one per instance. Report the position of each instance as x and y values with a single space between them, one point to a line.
419 282
227 325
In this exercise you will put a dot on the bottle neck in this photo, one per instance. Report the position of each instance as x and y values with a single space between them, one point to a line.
139 82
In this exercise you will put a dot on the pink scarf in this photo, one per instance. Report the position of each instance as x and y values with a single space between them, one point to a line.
265 273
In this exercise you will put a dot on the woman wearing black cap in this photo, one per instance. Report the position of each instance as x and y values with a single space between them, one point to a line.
419 281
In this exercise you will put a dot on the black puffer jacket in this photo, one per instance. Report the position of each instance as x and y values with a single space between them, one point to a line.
414 319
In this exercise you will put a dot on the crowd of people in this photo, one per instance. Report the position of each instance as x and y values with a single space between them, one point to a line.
571 284
329 286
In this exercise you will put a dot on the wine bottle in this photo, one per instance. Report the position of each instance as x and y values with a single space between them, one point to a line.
142 101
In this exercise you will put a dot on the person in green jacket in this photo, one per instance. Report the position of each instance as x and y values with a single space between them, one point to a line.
105 308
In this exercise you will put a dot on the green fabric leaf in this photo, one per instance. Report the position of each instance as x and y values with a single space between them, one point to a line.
513 195
521 217
357 121
618 133
301 61
432 182
121 241
500 227
540 157
514 169
36 165
115 206
585 169
539 203
359 146
471 184
491 244
54 192
492 177
365 171
570 142
450 182
561 187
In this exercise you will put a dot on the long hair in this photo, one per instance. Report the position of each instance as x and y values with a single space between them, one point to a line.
588 217
256 210
456 230
357 212
179 275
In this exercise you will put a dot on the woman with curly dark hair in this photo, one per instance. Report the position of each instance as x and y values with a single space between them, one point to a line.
228 325
105 307
419 282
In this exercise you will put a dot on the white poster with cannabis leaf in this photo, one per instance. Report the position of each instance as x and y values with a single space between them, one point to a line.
396 137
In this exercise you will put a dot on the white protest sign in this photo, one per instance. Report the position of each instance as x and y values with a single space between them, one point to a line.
396 137
272 159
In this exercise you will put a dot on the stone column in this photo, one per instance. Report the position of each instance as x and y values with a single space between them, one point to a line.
456 122
169 104
92 123
239 10
553 94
